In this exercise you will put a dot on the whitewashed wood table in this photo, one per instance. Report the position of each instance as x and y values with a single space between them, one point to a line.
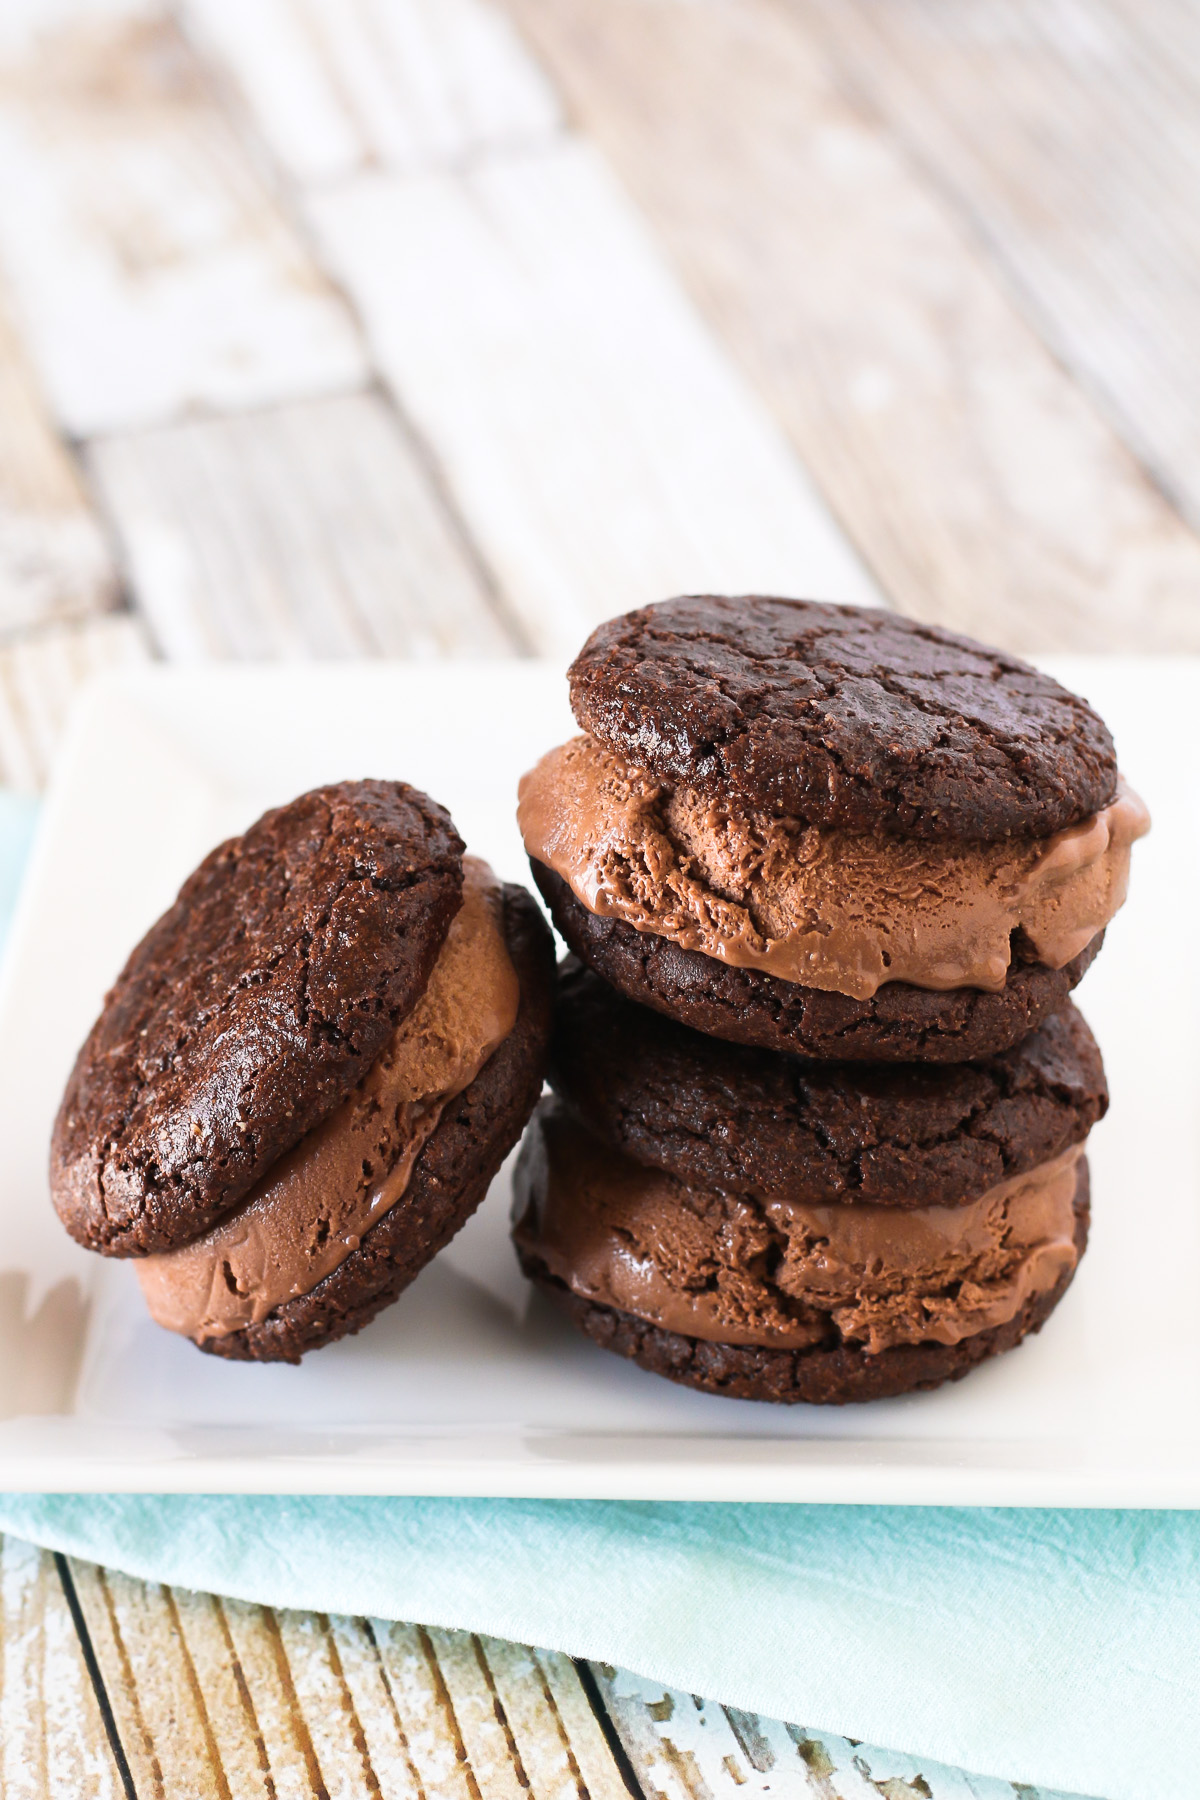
445 328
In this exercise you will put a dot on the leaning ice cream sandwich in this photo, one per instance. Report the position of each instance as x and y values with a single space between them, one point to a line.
307 1073
829 830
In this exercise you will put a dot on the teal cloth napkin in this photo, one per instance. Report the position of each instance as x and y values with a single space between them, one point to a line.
1055 1648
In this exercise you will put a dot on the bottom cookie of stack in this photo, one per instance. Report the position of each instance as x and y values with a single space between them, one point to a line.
765 1228
785 1302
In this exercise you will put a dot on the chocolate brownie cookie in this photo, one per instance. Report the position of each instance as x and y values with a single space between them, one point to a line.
251 1009
898 1023
827 829
449 1179
829 1374
843 716
750 1122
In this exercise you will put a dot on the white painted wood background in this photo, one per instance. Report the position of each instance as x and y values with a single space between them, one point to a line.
335 328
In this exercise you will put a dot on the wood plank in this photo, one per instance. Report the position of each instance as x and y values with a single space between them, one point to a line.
215 1698
517 1719
685 1748
152 1685
52 1737
602 450
54 559
40 676
535 1691
1069 140
980 484
151 272
525 1721
311 530
433 1733
480 1719
218 1697
405 84
386 1729
283 1738
326 1704
577 1723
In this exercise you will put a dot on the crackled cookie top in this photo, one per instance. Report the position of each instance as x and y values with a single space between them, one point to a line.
753 1122
251 1009
842 716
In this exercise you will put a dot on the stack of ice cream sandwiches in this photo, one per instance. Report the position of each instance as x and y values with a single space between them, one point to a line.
820 1093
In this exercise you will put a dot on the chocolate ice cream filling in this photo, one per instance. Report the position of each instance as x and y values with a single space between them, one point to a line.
824 908
780 1275
309 1212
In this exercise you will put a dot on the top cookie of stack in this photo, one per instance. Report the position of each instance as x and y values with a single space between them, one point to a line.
828 830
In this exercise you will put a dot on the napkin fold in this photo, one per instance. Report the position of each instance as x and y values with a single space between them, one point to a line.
1055 1648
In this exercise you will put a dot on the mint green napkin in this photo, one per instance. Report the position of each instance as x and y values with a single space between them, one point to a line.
1055 1648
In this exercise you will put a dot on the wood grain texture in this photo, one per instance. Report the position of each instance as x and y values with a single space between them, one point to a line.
1068 138
54 560
217 1697
52 1738
980 485
40 675
685 1748
602 450
539 1695
337 86
310 530
151 272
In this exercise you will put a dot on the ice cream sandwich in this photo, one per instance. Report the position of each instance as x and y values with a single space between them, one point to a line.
772 1227
829 830
308 1072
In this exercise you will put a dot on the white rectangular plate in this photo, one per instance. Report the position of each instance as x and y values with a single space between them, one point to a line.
469 1384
